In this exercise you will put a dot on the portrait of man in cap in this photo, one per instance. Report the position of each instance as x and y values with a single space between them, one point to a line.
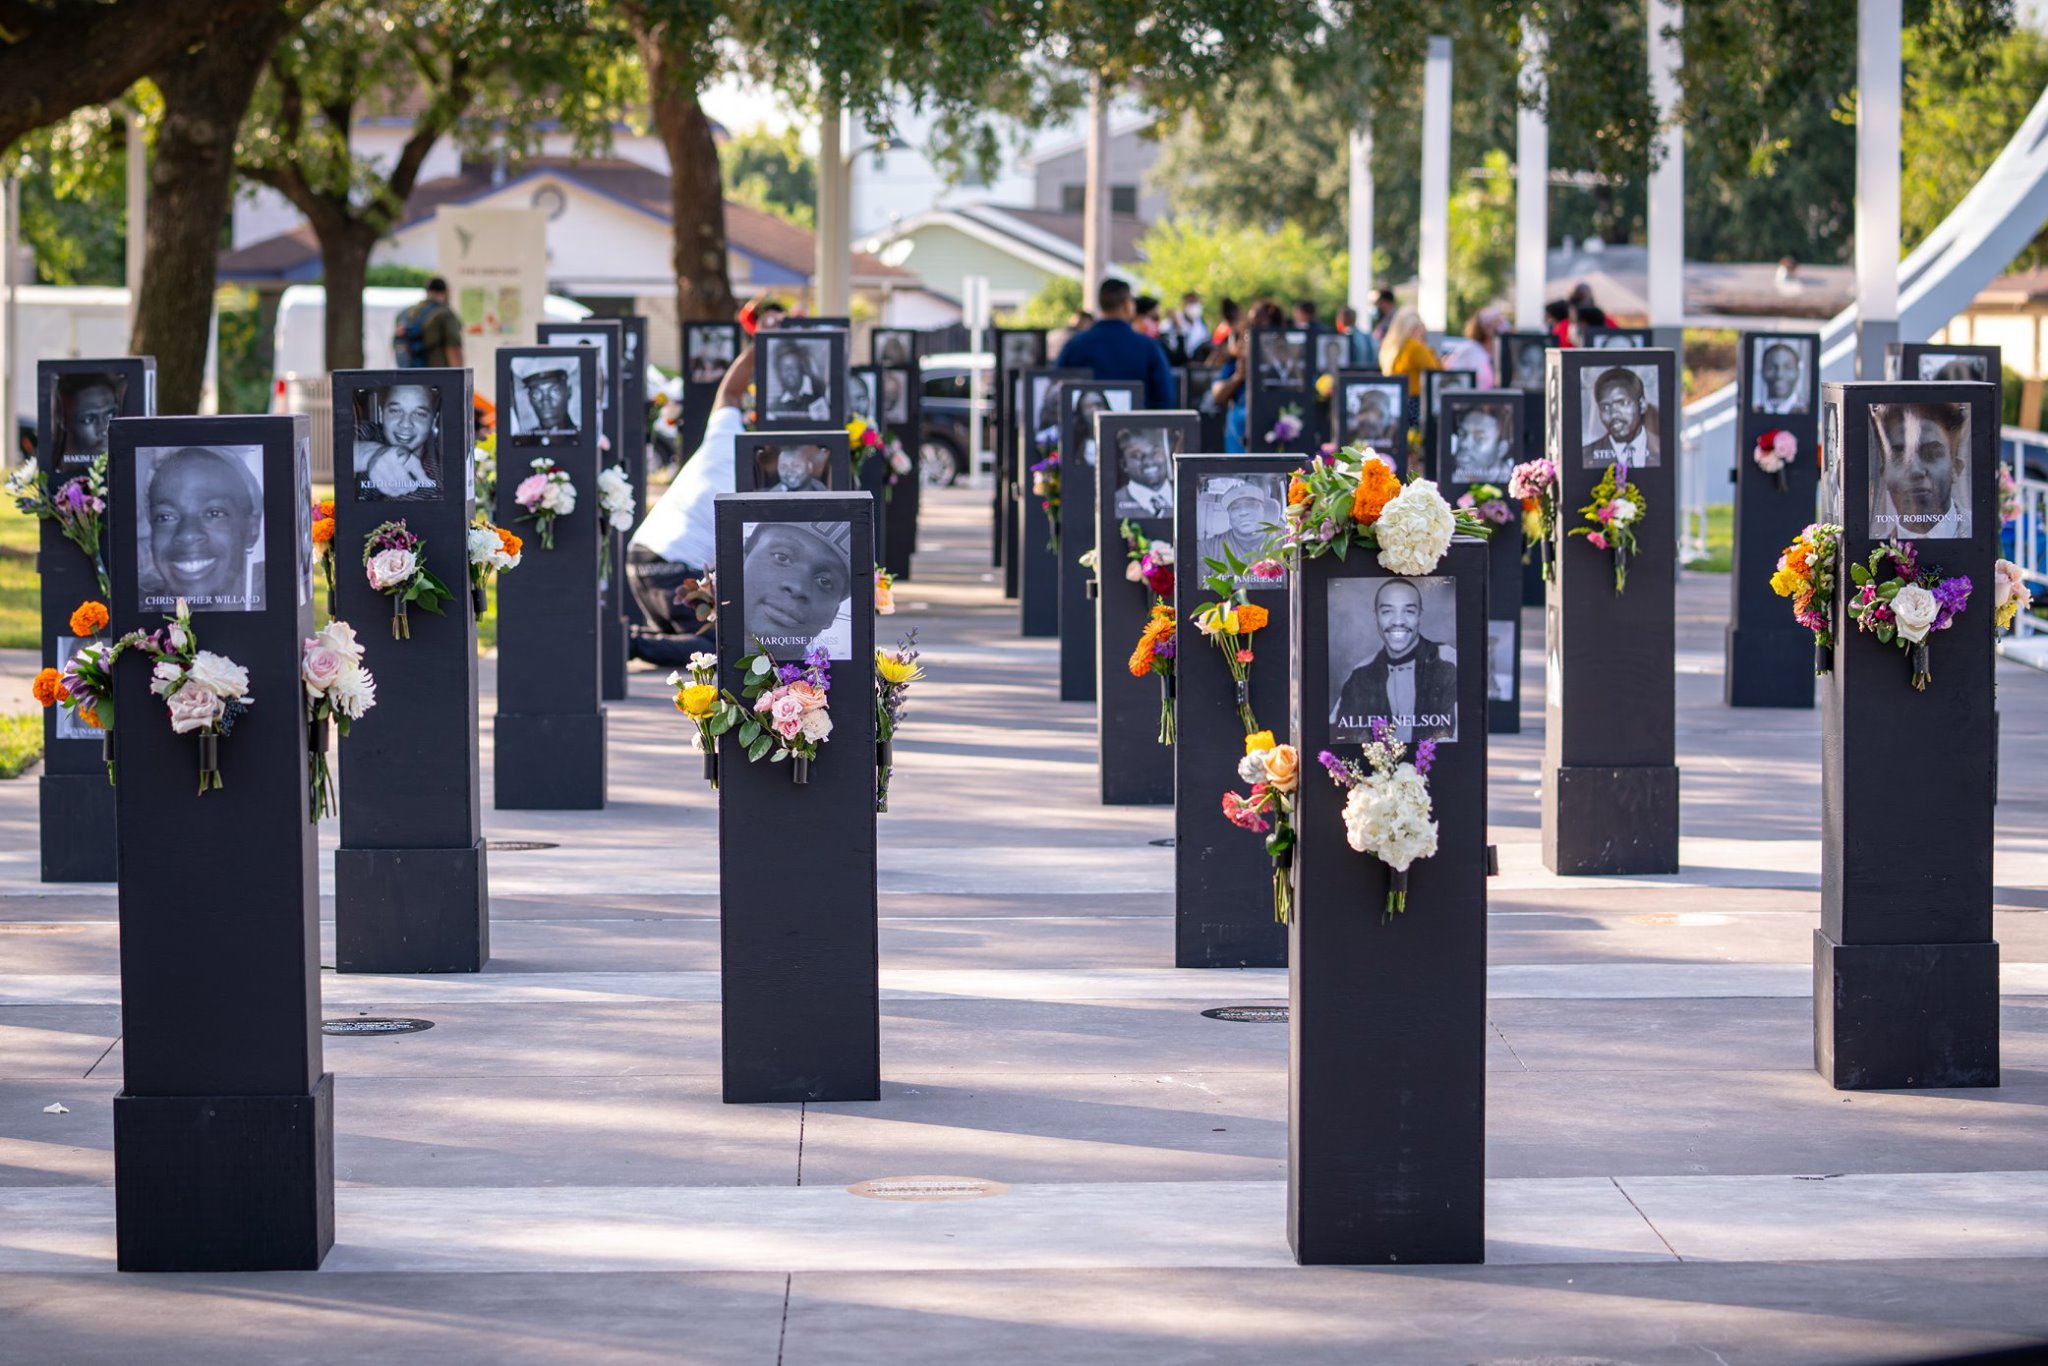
201 530
545 402
798 584
1237 512
1371 412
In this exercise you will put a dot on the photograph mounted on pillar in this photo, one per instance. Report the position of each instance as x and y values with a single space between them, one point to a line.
410 887
709 350
1081 402
792 462
1906 975
1518 359
1435 384
549 752
64 487
1017 349
800 379
1614 338
223 1092
1768 655
1944 361
1479 442
1277 415
895 348
1040 502
1610 776
1370 412
606 336
1134 602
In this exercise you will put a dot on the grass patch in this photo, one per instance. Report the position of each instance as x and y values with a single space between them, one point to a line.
1720 556
21 743
21 590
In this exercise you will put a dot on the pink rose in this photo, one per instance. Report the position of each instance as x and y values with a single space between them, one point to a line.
808 694
321 667
1599 541
390 569
193 707
788 730
530 491
786 707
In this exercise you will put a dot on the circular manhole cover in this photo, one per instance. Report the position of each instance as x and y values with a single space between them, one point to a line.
517 846
927 1188
1249 1014
368 1025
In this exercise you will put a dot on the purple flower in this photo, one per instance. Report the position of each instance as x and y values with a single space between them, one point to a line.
1953 594
1425 755
1621 474
1380 730
1163 650
1332 763
788 673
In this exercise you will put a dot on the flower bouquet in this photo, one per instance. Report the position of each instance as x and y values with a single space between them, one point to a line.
1148 561
697 698
1287 426
1611 518
895 671
338 689
1488 502
78 507
1045 487
323 546
1902 602
491 551
393 562
864 440
1232 620
1356 500
1154 655
484 461
2008 496
2010 594
1274 772
782 712
1806 573
1534 484
546 494
85 685
1387 813
204 693
1775 449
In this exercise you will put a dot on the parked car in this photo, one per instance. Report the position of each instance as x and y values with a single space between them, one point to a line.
944 441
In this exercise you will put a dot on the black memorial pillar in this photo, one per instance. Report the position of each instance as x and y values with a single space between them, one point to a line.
1478 444
1222 877
633 427
223 1128
1134 484
549 734
901 494
1081 401
1905 971
709 350
1610 774
1386 1128
1038 531
1280 408
606 336
76 402
800 1000
1768 656
1017 349
1518 362
410 892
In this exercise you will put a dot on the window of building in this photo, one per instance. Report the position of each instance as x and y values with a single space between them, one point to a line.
1123 199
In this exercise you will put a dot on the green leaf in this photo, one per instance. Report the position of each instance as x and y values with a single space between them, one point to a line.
761 745
749 731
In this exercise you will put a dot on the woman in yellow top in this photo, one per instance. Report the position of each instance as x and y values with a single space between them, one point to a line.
1405 351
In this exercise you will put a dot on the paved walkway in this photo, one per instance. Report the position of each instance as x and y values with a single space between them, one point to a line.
548 1173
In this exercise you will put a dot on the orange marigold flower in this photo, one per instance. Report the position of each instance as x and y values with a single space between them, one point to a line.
507 542
1251 617
323 530
46 687
90 619
1377 485
1297 490
323 507
91 718
1158 631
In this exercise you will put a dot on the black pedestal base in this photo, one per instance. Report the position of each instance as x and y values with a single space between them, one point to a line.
1613 821
549 762
611 643
224 1183
77 811
1768 668
1249 938
1892 1017
411 910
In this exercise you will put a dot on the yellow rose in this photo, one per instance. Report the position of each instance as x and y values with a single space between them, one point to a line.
1283 767
896 672
1258 740
697 701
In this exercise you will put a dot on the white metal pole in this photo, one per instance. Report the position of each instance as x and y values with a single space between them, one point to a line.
1359 291
1532 186
1667 181
975 296
1878 105
1095 198
833 241
1434 240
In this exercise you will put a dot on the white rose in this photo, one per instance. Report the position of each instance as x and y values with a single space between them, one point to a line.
391 568
1415 529
559 497
702 660
1135 572
1914 608
321 667
1252 768
816 725
194 707
613 485
166 677
1161 552
219 675
340 637
354 692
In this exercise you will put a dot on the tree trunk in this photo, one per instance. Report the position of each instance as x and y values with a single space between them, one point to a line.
696 188
345 248
191 184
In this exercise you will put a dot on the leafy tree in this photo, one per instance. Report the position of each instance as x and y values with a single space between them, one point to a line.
1961 110
772 171
1482 231
1054 303
1287 262
73 177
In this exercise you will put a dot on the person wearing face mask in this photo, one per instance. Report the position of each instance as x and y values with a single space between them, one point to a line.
1411 683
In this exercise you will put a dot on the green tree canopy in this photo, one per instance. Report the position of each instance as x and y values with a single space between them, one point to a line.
772 171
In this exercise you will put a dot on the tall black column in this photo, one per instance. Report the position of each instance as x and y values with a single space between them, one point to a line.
1080 402
76 400
1017 350
709 349
633 427
902 403
1281 379
1479 440
1610 774
1386 1126
549 750
798 966
410 889
1222 878
1769 656
1038 552
1518 362
606 336
1905 971
223 1129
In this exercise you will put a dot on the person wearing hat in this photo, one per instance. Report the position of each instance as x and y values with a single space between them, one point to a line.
1249 513
547 394
797 580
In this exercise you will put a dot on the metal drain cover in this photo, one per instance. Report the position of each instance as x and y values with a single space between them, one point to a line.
516 846
927 1188
1249 1014
363 1024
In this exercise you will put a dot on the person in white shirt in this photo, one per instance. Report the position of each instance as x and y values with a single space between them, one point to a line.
1779 369
1146 466
1624 410
677 540
1921 484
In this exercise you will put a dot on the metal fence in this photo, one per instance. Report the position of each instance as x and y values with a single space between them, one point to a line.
313 395
2023 455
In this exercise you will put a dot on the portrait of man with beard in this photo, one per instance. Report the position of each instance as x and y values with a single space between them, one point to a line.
1920 471
1391 658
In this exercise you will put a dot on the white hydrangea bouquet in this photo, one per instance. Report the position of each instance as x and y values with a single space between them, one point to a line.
1354 499
1388 813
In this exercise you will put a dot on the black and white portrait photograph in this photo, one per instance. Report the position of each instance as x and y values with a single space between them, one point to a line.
895 399
1042 406
1237 512
788 467
711 348
1393 658
892 349
1553 413
1483 441
1144 480
1831 462
797 581
1950 365
1372 411
1609 339
1332 351
860 393
546 399
1083 403
1521 359
601 343
1501 660
1283 359
1777 382
398 443
302 527
1021 349
1920 471
1618 416
1436 383
200 536
795 378
82 409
